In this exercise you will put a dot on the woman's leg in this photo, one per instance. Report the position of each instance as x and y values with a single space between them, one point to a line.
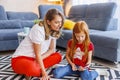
62 71
53 59
29 67
25 65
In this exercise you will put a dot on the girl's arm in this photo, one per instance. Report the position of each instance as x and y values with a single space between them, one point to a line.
88 62
67 56
50 50
39 59
89 58
74 68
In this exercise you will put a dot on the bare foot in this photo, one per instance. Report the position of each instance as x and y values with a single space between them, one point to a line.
28 77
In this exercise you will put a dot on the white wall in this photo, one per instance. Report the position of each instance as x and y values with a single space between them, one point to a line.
22 5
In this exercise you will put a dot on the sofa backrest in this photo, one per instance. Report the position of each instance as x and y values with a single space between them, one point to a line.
3 15
98 16
101 10
21 15
44 8
78 11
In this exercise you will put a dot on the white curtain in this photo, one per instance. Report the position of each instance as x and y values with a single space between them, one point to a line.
77 2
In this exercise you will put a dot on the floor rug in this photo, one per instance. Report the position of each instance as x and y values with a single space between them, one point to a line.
6 73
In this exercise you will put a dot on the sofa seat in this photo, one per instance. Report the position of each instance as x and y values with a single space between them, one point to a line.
9 34
107 40
67 34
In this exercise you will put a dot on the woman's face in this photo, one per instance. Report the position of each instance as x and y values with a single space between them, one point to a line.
80 37
56 23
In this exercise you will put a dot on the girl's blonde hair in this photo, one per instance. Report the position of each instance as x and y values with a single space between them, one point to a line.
78 28
50 15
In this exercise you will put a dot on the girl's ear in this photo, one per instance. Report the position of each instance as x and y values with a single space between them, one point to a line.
48 22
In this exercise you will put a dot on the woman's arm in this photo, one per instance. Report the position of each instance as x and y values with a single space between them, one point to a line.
50 50
39 59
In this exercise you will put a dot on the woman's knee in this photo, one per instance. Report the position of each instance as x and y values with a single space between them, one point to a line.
58 56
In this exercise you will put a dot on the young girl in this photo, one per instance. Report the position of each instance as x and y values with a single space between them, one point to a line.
78 54
36 51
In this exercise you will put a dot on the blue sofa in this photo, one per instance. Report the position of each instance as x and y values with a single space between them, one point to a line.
103 29
10 24
102 25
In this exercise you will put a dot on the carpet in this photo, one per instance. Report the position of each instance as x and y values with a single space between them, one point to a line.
6 73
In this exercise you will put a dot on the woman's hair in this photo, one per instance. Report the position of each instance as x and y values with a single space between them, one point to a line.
50 15
78 28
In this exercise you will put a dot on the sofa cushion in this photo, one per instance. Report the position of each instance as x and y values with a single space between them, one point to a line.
44 8
68 24
101 10
10 24
77 11
3 15
22 15
109 39
27 23
97 24
9 34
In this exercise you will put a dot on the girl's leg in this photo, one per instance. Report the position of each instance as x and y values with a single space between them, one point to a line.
88 75
85 75
94 74
62 71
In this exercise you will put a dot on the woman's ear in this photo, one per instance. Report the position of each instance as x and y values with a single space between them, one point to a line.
48 22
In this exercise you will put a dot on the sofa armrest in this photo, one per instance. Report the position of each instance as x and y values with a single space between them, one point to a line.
22 15
10 24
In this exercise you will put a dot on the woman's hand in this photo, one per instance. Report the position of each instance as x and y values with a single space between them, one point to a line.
74 68
45 78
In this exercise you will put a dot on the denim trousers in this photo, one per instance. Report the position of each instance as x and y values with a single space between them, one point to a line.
62 71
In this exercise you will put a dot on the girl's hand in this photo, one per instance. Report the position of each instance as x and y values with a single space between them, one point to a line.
87 65
74 68
81 68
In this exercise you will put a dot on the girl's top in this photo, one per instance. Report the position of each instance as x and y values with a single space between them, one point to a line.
36 35
78 57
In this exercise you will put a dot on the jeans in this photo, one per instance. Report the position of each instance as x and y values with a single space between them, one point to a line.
62 71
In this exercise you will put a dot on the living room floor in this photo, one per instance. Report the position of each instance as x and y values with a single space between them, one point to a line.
96 60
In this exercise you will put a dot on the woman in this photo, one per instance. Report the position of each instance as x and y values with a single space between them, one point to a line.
37 51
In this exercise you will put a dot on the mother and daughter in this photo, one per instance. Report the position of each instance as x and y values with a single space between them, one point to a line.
36 52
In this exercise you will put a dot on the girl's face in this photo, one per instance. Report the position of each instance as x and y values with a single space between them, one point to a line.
55 23
80 37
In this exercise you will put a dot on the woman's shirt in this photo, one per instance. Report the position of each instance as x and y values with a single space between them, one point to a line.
78 57
36 35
